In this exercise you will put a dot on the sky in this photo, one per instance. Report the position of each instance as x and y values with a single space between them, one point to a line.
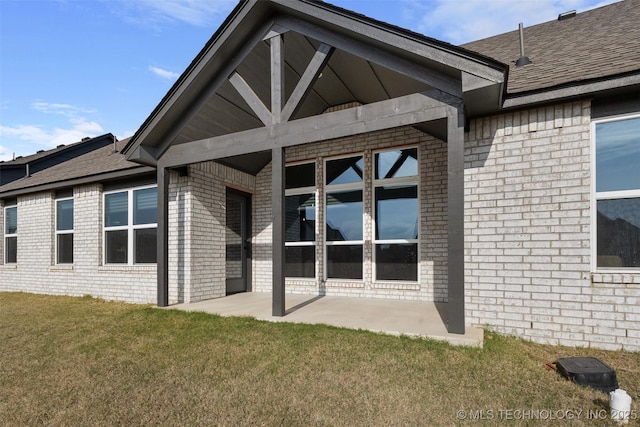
71 69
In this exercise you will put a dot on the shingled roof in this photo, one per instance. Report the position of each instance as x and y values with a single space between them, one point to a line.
93 166
596 44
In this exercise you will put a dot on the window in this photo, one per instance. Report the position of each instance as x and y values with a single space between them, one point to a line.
396 215
300 221
344 217
130 226
617 192
64 231
10 234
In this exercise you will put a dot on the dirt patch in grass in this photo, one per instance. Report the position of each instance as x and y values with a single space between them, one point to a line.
82 361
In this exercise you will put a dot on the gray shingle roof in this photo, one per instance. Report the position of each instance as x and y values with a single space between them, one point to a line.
92 164
595 44
22 160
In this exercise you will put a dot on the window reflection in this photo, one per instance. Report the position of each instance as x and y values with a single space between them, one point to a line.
344 215
618 155
397 212
619 233
345 171
300 218
396 163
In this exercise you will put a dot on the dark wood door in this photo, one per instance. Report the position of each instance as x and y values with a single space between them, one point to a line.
238 241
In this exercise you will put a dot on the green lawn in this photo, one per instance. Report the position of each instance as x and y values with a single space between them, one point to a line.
81 361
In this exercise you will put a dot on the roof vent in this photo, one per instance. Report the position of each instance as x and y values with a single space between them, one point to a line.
566 15
115 145
40 151
60 146
86 138
523 60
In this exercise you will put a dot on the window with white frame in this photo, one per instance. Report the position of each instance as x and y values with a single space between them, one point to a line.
11 234
617 192
64 231
396 213
344 242
130 226
300 220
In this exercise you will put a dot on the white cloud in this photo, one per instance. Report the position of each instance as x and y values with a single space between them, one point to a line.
66 110
28 138
199 13
31 137
165 74
5 154
459 22
50 138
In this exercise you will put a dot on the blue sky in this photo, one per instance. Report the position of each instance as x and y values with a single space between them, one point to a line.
76 68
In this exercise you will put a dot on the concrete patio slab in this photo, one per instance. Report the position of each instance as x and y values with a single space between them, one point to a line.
394 317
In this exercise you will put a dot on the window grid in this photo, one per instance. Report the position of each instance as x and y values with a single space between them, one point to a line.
342 188
10 235
301 191
62 232
599 196
404 181
130 227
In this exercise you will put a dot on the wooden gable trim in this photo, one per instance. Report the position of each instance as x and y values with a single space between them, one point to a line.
250 97
373 54
222 76
305 84
402 111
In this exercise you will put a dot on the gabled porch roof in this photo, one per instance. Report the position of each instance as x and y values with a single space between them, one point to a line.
330 56
265 81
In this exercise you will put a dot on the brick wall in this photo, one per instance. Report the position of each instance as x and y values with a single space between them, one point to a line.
432 283
36 272
197 219
528 233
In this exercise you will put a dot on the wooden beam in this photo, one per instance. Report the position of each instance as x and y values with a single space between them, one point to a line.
251 98
200 99
277 78
402 111
144 154
376 55
305 84
277 230
455 220
162 248
275 31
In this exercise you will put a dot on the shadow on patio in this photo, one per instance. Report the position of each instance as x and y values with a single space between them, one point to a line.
394 317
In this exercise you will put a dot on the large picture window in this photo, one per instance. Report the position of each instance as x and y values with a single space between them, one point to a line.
64 231
10 234
300 220
617 192
344 217
130 226
396 218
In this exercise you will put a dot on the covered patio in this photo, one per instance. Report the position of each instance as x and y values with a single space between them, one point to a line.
418 319
281 77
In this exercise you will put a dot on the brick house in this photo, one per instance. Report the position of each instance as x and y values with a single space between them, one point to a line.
312 150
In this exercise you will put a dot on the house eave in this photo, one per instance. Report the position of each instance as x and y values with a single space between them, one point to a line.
108 176
592 88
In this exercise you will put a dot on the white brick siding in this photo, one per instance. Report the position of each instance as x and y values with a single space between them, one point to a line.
36 272
197 219
528 233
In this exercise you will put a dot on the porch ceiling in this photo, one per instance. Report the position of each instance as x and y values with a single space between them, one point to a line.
346 78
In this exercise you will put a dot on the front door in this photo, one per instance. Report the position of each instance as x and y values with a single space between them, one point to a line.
238 241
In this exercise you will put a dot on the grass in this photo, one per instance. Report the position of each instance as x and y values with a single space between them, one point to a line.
81 361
